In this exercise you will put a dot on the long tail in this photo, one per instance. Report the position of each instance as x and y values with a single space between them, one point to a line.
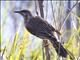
61 51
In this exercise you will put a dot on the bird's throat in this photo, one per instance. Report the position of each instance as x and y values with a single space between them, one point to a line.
27 19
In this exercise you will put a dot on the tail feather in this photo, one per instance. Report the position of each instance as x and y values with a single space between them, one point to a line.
61 51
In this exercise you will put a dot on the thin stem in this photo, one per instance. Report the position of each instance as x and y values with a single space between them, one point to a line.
66 18
45 42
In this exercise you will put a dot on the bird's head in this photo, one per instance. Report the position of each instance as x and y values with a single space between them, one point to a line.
25 13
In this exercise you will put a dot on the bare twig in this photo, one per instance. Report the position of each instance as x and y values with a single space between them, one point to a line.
45 42
41 12
3 51
53 13
46 45
46 9
41 8
36 7
68 15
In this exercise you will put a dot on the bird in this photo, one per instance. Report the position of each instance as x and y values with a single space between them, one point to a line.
39 27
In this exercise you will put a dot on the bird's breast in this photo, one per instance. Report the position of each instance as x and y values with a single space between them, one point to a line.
31 28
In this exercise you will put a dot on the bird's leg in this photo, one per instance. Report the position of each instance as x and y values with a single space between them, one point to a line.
45 43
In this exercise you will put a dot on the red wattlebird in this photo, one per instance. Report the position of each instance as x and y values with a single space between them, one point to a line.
42 29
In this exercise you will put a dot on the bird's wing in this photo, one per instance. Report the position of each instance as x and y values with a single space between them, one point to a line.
40 28
52 28
49 26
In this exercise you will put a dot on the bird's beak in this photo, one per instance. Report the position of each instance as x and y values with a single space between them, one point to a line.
17 12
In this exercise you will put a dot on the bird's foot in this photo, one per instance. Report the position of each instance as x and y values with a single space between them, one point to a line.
45 43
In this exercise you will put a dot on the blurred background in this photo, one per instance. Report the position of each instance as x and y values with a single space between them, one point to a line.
18 44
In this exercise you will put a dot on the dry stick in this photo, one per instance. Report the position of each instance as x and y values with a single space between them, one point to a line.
46 9
55 25
46 45
41 12
53 13
36 7
41 8
68 15
76 28
45 42
3 52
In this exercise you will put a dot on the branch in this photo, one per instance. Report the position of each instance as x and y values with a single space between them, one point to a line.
45 42
68 15
41 8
